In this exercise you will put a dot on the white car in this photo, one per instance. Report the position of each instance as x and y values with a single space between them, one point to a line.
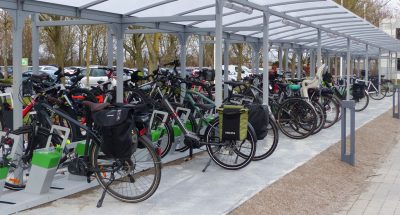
97 73
233 70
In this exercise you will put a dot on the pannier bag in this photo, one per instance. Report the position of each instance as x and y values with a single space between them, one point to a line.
116 127
233 122
258 118
358 91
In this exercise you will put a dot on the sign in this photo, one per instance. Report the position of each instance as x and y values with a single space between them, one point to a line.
25 61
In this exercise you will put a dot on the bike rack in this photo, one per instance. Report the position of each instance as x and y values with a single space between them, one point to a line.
396 114
348 157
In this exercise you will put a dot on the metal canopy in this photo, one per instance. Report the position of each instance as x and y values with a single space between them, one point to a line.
289 19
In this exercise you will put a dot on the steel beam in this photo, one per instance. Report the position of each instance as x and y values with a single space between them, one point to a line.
201 52
129 20
299 63
119 33
319 50
35 43
110 46
265 57
226 67
348 61
159 3
366 63
219 8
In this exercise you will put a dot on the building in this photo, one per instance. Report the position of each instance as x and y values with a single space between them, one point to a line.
392 27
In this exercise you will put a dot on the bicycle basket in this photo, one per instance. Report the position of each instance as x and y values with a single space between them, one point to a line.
358 91
116 126
233 122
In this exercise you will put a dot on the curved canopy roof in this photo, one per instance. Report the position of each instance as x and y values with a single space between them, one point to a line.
291 21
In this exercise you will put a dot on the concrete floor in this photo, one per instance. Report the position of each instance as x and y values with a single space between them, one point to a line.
185 189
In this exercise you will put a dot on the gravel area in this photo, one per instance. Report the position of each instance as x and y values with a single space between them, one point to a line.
322 185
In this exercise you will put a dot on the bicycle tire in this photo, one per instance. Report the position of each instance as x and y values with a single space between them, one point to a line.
299 116
376 95
169 135
331 108
234 151
359 105
321 116
264 152
151 157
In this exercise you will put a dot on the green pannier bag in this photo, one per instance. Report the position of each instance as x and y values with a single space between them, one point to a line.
233 121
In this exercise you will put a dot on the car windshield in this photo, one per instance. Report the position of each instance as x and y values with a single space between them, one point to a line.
95 72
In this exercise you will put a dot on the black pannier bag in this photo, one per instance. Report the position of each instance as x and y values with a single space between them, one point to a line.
258 118
207 74
358 90
116 126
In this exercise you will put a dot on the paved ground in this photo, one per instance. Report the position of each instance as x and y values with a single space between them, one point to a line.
383 193
185 189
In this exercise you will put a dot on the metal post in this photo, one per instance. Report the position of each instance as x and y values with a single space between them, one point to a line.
219 7
182 58
312 63
18 26
226 67
328 60
348 62
299 64
348 158
366 63
388 65
120 61
201 52
280 57
396 114
286 61
319 50
265 56
35 43
379 70
257 61
341 66
110 46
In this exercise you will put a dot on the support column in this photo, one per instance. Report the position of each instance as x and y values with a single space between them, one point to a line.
379 69
119 31
286 62
35 43
257 62
366 63
265 57
201 52
226 67
18 26
348 68
299 63
328 61
389 66
255 59
319 50
358 67
219 7
182 59
280 57
312 63
110 46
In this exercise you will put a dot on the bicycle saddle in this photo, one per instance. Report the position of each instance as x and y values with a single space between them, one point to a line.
94 107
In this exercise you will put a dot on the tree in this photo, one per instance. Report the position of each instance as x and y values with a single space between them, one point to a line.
153 48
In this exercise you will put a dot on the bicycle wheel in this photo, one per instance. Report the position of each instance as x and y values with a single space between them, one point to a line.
362 103
296 118
388 87
162 136
321 116
331 108
267 146
137 178
19 172
231 155
376 95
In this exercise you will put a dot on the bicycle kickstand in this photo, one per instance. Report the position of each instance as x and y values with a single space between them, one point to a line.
207 165
100 202
190 157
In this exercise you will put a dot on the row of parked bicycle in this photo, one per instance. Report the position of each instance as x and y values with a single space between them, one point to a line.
164 113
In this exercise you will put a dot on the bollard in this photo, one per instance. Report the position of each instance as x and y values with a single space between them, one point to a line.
348 157
396 114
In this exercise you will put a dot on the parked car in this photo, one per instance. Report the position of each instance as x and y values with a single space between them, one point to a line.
233 70
97 73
